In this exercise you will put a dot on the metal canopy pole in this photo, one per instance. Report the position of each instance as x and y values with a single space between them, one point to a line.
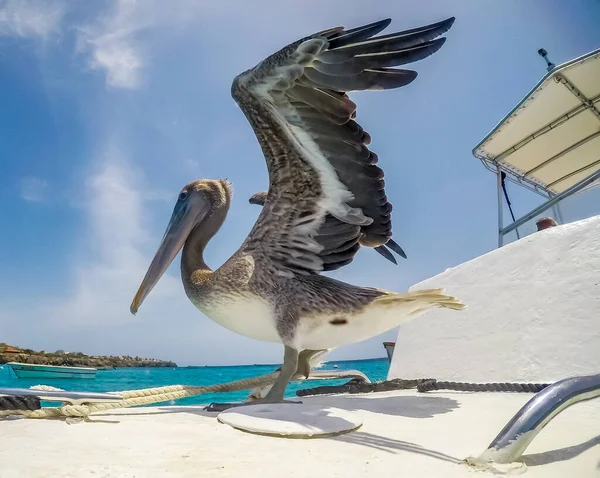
558 213
548 204
500 208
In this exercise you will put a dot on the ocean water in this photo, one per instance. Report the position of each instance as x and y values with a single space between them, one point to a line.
136 378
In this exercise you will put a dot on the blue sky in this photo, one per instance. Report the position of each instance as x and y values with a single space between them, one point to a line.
108 108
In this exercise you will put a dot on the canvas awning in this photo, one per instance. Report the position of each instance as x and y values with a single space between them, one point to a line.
550 141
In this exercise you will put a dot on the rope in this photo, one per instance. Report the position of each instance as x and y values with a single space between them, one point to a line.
423 385
432 384
17 402
30 407
46 388
132 398
354 386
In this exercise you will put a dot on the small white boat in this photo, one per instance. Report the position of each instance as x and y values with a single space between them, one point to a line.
27 370
389 348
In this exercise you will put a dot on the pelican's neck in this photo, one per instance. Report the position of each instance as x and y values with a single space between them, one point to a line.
192 256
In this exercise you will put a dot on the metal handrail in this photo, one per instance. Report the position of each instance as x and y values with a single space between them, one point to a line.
75 398
529 421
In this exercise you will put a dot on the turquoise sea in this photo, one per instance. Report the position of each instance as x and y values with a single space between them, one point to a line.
135 378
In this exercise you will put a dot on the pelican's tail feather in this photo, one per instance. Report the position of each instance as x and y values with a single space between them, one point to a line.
429 298
326 329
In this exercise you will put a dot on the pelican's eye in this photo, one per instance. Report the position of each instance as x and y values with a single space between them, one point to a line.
183 195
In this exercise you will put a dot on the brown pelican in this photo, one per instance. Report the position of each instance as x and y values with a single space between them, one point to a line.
326 199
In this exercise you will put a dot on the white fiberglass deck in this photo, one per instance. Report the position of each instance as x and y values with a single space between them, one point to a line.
404 434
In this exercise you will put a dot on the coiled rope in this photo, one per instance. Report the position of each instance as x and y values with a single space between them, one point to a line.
432 384
422 385
30 407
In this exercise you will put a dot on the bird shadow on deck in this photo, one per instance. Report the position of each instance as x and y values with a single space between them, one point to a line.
404 406
392 445
163 410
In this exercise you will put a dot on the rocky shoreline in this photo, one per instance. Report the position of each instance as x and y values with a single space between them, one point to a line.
77 359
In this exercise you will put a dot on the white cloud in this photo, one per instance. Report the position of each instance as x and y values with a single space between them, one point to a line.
120 60
113 41
111 44
30 18
116 238
33 189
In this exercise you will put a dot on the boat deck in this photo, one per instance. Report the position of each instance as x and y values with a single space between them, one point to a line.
405 433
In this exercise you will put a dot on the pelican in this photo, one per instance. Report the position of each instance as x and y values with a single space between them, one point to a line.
326 199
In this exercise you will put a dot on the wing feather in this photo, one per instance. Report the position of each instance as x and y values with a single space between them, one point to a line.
334 233
326 193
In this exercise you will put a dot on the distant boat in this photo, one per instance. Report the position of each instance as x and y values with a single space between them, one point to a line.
27 370
389 348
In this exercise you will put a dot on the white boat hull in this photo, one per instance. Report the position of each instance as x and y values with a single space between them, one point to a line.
22 370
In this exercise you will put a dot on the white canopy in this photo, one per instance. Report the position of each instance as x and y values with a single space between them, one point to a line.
551 140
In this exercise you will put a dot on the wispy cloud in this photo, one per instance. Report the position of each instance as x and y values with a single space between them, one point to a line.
107 274
31 18
33 189
111 44
113 41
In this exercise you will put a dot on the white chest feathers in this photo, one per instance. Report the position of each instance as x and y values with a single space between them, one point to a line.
245 314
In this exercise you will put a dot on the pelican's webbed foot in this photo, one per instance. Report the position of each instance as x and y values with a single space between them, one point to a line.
277 391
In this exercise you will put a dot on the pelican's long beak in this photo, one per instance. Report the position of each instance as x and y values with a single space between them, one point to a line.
186 215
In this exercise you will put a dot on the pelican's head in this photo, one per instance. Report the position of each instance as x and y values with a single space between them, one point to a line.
201 204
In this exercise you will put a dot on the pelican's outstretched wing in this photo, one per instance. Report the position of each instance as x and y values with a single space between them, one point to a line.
332 261
317 156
